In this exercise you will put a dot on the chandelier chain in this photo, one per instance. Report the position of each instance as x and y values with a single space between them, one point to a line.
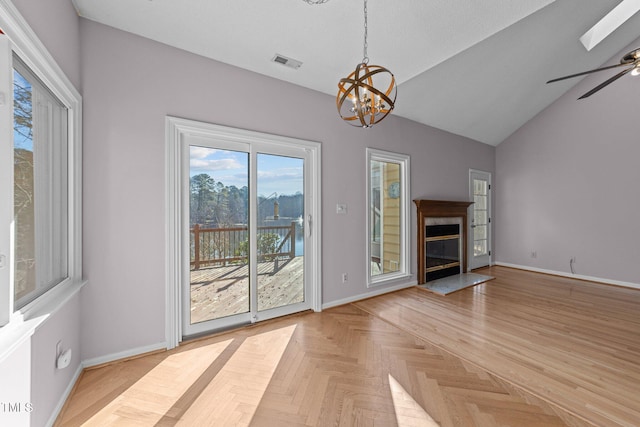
365 58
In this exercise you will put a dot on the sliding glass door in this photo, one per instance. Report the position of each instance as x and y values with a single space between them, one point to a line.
248 232
280 231
218 234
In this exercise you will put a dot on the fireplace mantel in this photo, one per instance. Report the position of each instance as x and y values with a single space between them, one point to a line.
439 209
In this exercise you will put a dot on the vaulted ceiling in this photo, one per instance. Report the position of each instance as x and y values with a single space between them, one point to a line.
473 68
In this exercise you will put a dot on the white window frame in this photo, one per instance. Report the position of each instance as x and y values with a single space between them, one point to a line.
404 270
16 326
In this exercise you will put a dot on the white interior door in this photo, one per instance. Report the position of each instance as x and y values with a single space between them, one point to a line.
480 221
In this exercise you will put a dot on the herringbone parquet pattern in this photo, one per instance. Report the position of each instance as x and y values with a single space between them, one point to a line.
573 343
341 367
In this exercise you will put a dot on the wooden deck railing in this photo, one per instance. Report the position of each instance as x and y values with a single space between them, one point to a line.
223 246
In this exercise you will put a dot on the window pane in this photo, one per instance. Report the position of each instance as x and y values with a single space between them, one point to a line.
40 187
280 236
479 247
480 217
375 204
219 233
385 217
480 202
479 186
480 232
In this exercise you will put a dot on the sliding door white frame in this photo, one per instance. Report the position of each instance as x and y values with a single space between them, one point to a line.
176 212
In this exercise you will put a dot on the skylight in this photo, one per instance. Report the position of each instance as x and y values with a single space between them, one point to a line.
611 21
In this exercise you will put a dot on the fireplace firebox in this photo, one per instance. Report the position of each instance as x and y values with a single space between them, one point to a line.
442 251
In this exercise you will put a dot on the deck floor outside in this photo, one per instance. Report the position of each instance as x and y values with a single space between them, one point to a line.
218 292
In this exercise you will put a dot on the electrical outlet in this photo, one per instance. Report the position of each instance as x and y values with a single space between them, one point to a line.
534 254
63 358
345 278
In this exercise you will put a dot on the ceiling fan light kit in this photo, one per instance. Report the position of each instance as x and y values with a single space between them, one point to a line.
368 94
631 60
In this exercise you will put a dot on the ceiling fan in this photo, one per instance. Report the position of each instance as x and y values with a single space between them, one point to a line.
631 60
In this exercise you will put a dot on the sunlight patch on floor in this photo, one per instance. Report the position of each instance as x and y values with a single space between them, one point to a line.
408 411
146 400
233 396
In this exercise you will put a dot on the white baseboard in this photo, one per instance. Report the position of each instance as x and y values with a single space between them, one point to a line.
123 354
94 362
65 396
366 295
573 276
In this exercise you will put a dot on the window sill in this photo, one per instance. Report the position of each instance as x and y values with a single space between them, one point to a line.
24 323
387 279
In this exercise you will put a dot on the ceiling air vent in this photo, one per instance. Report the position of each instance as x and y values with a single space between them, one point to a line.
287 62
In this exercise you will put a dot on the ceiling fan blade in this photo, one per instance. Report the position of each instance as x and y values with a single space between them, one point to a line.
603 84
587 72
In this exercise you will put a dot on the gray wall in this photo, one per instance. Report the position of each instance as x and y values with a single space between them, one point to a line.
130 84
57 25
567 184
31 374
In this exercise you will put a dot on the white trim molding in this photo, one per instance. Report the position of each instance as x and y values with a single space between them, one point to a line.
374 293
122 355
572 276
404 270
65 395
26 45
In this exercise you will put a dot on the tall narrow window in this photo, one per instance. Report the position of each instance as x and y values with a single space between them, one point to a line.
40 178
39 187
388 216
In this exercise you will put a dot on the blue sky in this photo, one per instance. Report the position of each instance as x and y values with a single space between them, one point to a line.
276 174
20 134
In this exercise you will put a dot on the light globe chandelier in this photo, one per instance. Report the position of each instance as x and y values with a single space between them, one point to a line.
369 93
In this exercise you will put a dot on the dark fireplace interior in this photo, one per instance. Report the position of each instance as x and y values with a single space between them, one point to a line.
442 251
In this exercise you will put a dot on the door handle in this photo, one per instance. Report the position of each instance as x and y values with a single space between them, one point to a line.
309 225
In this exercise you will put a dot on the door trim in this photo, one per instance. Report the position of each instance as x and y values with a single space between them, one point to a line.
176 212
470 256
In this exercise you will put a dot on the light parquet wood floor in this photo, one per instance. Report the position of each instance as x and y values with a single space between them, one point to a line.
399 359
573 343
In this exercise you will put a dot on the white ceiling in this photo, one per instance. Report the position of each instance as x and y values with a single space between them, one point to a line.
474 68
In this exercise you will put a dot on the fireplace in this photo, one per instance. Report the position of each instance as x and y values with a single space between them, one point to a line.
442 244
442 248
